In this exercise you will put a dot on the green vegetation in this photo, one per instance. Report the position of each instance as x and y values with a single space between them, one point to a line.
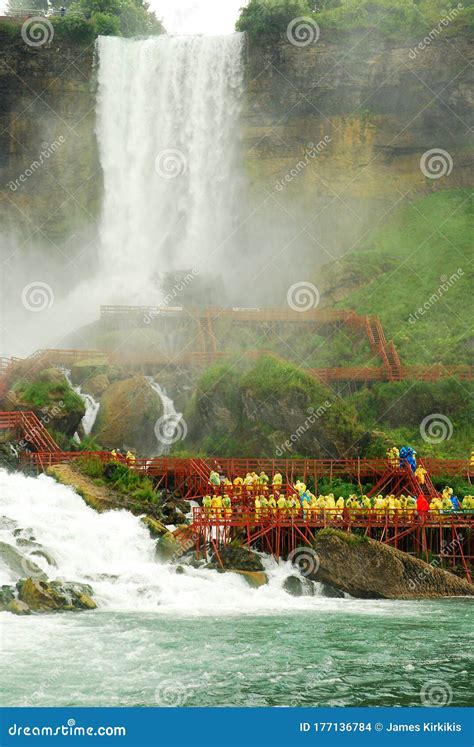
40 394
419 259
256 412
350 538
267 20
126 481
85 19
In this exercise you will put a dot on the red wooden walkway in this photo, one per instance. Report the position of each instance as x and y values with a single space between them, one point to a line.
203 322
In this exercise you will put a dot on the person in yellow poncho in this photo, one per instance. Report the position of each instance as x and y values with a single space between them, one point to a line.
313 508
410 506
277 480
379 505
272 506
393 456
420 474
258 508
227 503
467 503
216 505
447 492
281 505
436 506
206 504
340 507
237 483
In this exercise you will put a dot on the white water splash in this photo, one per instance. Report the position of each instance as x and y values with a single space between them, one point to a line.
114 552
167 127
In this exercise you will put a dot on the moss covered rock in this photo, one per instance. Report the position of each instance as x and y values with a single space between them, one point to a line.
127 417
369 569
49 395
55 596
275 408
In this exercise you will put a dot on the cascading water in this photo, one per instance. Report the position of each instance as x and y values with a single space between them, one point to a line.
170 426
114 552
167 125
91 405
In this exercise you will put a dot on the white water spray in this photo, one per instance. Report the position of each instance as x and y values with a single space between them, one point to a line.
167 126
114 552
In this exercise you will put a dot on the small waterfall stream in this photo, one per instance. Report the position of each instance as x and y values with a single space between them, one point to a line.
168 428
92 406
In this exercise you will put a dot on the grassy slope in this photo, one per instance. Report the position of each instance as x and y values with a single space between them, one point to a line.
403 263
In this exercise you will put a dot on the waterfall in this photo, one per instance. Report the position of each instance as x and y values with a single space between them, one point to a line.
114 552
91 405
167 126
169 428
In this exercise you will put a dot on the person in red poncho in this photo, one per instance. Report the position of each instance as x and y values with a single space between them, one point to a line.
422 506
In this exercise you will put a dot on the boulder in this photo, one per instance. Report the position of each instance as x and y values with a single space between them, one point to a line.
369 569
331 591
168 548
235 558
128 414
255 579
7 594
18 607
96 385
155 527
44 596
298 587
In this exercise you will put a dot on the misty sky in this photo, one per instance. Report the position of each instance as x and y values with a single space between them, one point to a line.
198 16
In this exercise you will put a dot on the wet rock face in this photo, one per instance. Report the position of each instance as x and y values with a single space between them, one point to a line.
298 587
55 596
238 559
369 569
127 416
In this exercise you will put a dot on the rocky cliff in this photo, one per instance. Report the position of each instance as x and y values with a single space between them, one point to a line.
378 107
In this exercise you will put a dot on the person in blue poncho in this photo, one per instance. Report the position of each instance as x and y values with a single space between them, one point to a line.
455 503
407 456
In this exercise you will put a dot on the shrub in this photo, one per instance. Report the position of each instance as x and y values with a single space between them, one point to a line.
73 28
268 19
106 25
